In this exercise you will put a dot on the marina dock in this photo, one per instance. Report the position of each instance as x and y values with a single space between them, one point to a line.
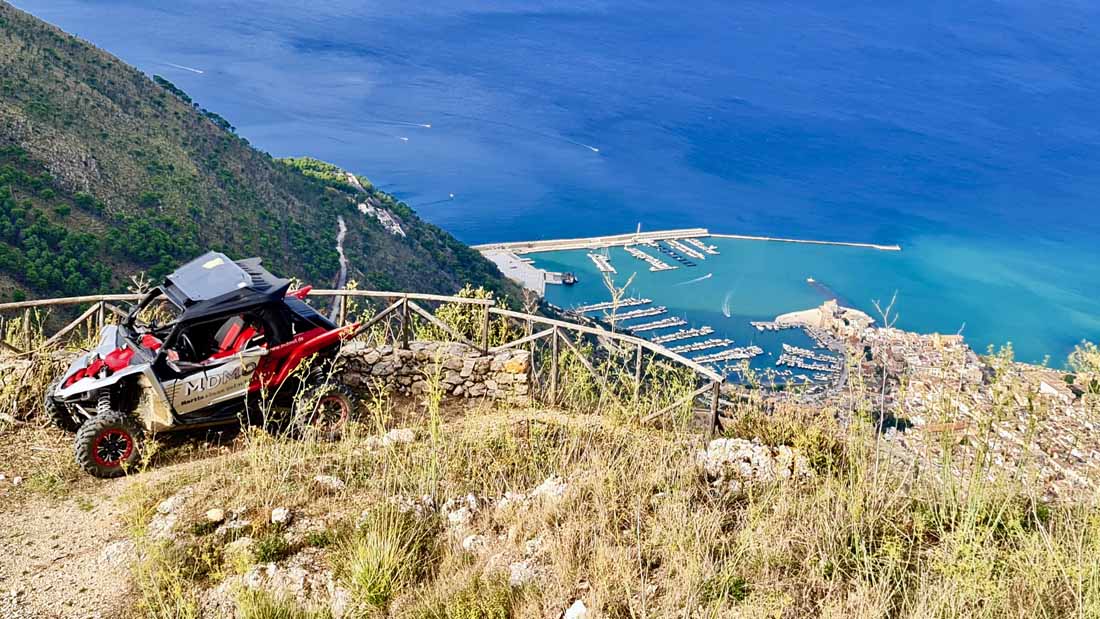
603 263
709 249
812 355
733 354
606 305
704 345
682 334
658 324
771 326
655 264
684 249
795 361
642 313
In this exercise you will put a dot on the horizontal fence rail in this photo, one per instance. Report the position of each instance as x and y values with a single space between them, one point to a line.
561 352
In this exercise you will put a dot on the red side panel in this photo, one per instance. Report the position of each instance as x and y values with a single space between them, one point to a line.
300 293
281 360
150 342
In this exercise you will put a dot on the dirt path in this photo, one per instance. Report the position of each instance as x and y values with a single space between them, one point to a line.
64 547
66 558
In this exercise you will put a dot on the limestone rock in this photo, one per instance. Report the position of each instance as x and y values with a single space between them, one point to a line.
329 483
398 436
280 515
521 573
577 611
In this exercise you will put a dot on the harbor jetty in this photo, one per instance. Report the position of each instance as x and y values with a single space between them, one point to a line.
655 264
658 324
602 262
682 334
594 242
772 239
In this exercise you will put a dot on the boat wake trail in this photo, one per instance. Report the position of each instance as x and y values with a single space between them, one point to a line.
179 66
697 279
726 304
400 123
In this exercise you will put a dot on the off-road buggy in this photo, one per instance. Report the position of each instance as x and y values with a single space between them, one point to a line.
231 344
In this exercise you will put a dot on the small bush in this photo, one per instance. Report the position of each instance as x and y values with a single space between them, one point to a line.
725 586
253 604
322 539
391 550
480 598
271 548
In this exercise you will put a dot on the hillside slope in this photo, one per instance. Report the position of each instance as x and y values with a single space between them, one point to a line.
104 172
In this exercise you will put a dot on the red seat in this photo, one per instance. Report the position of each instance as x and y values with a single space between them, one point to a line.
232 337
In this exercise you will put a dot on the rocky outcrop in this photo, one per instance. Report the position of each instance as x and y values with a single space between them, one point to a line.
453 369
732 462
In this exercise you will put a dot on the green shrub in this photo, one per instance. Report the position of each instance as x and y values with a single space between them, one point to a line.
391 550
271 547
480 598
253 604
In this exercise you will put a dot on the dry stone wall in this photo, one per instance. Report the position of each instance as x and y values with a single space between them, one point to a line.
459 370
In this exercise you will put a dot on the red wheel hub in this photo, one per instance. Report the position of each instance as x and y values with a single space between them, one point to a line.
332 412
112 447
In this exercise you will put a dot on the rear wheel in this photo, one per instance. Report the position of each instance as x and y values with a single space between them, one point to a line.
107 444
324 411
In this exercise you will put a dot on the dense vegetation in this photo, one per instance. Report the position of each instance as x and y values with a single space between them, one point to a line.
104 172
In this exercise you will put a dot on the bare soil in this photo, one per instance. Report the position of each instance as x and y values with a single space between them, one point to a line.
64 548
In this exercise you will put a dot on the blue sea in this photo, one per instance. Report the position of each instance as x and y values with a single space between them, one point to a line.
967 132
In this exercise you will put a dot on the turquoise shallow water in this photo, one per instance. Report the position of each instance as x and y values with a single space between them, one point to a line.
936 282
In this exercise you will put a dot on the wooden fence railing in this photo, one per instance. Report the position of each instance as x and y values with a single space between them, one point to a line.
489 328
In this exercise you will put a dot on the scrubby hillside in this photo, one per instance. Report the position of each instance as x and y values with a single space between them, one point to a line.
104 170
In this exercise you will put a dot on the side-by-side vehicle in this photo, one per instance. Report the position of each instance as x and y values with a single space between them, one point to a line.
219 342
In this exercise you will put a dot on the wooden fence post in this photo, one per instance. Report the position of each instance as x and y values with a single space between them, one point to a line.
100 318
485 329
405 323
715 424
554 367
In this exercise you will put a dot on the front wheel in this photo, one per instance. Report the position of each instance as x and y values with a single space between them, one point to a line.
107 444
